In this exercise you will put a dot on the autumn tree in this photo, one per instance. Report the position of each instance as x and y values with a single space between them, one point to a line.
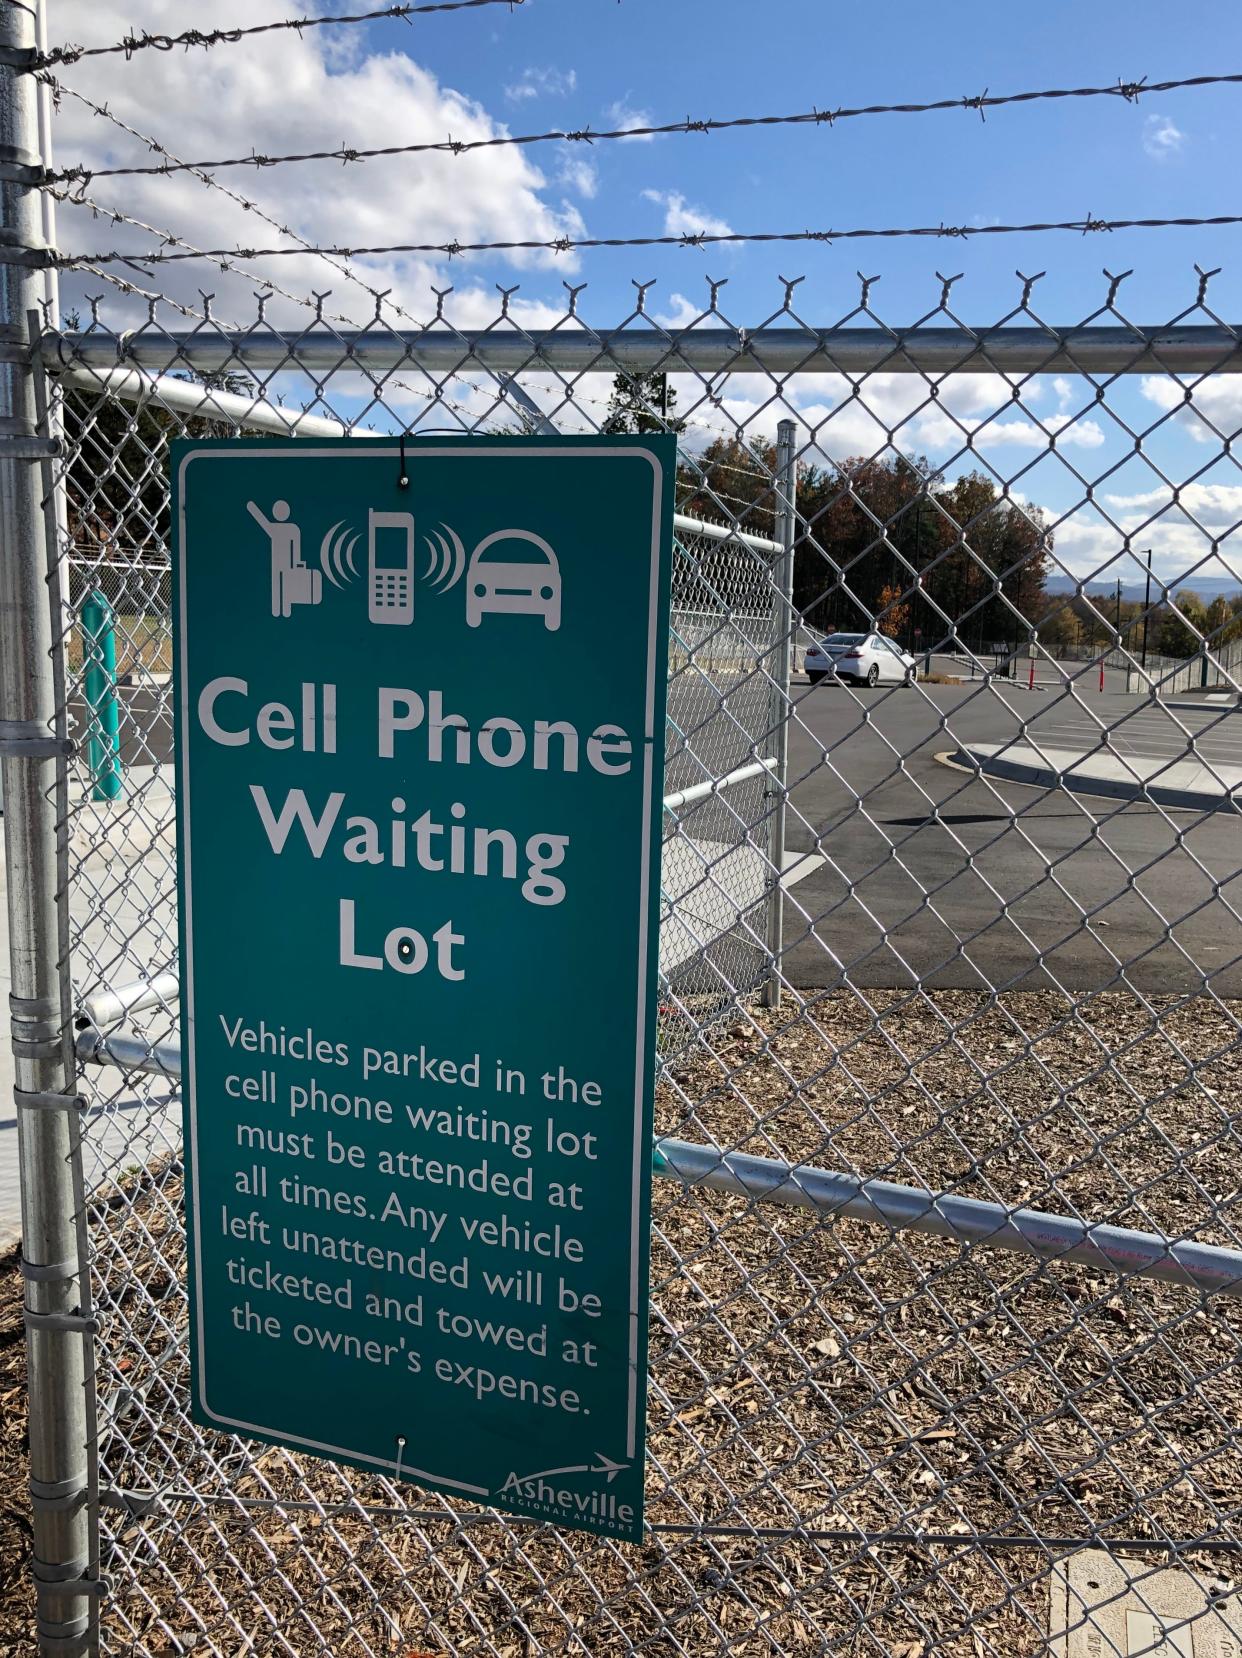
888 537
996 567
869 525
1183 624
1223 621
893 617
731 479
886 541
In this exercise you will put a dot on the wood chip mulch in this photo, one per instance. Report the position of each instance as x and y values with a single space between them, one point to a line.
805 1372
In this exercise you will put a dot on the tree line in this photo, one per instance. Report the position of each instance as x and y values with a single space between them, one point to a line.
887 541
887 537
883 540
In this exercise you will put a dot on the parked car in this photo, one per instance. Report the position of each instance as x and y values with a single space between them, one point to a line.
860 658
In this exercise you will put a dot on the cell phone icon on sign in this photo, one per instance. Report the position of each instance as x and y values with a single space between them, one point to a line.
390 568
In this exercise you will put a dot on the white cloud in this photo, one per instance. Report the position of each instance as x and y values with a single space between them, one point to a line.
575 172
620 116
1087 543
937 431
1162 139
681 219
1218 505
542 83
898 409
1213 406
679 313
1076 429
1196 532
275 94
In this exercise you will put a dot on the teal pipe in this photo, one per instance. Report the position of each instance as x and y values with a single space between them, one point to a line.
103 746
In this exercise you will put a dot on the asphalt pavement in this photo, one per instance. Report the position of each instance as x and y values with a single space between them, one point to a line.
929 875
937 876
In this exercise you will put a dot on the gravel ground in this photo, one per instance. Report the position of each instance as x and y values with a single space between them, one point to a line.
829 1376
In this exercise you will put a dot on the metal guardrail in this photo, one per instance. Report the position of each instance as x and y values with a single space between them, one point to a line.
109 1007
260 414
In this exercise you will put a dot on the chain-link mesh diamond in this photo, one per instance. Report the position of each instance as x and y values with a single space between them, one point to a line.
1011 970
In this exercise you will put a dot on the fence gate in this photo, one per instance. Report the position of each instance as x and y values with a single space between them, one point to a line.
945 1240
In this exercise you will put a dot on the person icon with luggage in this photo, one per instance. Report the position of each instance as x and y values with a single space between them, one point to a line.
293 582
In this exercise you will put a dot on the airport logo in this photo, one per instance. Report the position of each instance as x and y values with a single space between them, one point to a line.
551 1492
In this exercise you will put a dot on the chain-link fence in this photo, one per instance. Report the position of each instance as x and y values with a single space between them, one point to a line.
1010 1021
728 681
945 1252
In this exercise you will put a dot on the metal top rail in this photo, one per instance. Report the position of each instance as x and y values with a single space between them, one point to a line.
1193 349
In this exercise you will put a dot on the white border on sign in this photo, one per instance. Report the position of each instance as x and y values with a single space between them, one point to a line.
641 1152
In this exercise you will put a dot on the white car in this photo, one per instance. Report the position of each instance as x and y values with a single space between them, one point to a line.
860 658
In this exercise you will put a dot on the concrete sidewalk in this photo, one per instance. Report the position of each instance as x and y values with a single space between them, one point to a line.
1188 785
117 850
127 1123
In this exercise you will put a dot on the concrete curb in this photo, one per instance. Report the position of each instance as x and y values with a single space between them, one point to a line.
1183 785
1231 704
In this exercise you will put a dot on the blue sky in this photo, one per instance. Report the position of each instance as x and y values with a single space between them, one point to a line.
572 63
673 58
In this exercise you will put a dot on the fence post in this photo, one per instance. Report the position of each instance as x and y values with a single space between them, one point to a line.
782 672
31 757
99 683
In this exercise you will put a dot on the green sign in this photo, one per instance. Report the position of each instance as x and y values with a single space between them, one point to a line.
420 717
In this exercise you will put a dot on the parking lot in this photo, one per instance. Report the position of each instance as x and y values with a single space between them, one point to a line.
932 874
1133 727
938 876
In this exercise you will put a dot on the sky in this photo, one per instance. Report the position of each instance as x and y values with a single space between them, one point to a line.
575 64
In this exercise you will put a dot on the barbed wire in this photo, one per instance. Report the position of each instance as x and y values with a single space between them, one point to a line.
218 37
169 238
725 428
132 288
436 398
246 203
684 239
1128 91
439 396
377 296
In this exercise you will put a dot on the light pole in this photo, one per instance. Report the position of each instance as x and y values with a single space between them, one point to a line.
1146 610
918 568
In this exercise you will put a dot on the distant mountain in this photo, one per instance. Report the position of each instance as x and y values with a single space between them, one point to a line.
1134 591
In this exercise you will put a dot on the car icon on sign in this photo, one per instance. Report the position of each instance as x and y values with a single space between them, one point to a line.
512 587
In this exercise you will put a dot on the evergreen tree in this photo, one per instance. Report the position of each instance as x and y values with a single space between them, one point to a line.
642 403
117 485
